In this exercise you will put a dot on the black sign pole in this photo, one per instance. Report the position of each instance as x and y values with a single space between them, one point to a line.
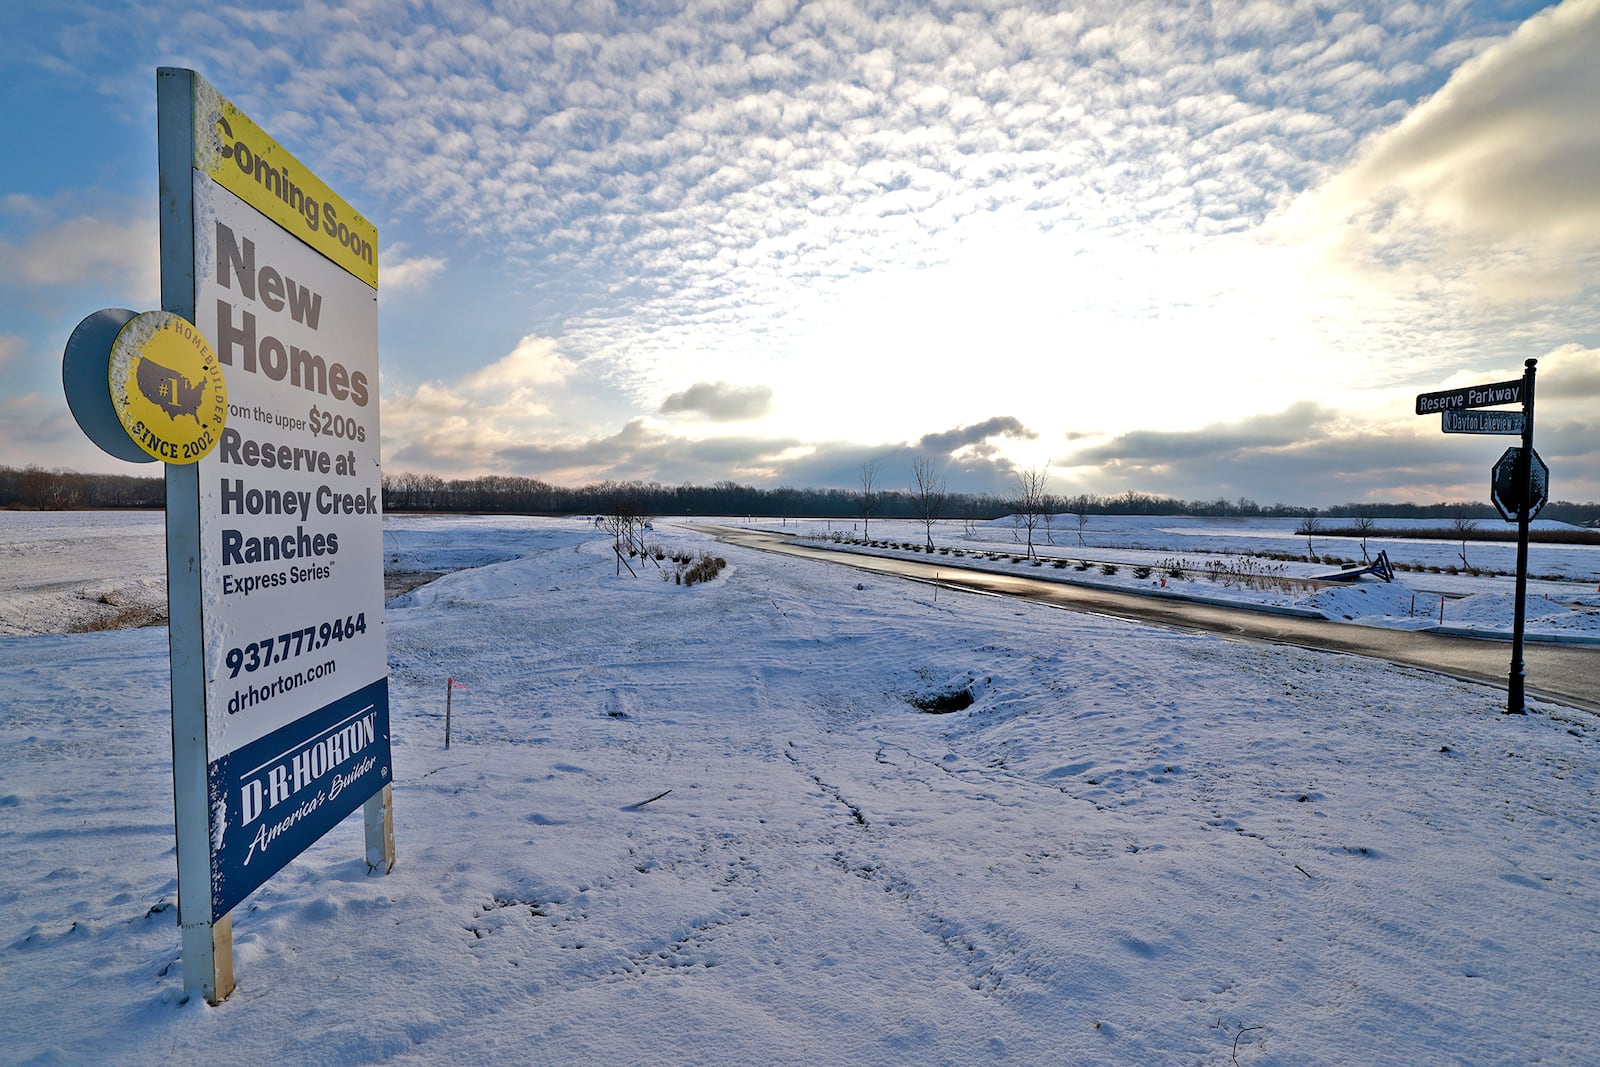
1516 702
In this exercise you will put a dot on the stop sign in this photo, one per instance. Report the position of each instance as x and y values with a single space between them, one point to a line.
1503 485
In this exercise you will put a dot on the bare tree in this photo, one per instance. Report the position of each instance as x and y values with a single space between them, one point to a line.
1365 524
1463 526
1079 506
869 496
1309 525
931 496
1050 505
969 518
1032 492
624 520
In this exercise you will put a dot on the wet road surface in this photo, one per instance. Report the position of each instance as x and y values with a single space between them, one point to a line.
1563 673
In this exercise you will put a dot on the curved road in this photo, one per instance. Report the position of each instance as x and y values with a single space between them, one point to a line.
1562 673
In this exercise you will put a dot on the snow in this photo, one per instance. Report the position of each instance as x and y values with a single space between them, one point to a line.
1563 589
1135 846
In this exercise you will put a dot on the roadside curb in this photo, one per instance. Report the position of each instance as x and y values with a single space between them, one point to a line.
1503 635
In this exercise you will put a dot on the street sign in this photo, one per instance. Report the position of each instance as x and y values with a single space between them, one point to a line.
1500 422
1492 395
1503 485
1517 494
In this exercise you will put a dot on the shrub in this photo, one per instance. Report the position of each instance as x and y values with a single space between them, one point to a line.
1141 571
125 618
703 569
1108 568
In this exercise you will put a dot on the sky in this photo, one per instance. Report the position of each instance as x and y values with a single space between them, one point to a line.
1200 251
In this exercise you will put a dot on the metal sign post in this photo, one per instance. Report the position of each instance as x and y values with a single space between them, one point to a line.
1516 690
1518 492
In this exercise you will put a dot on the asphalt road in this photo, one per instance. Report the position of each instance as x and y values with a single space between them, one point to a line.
1562 673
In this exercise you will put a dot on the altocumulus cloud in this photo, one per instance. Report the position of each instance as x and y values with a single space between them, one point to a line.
403 273
720 401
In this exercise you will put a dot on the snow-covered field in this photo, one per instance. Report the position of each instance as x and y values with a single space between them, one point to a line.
68 572
1135 846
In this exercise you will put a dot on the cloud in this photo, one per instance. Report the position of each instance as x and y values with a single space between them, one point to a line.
1494 175
643 451
978 433
10 348
1311 455
535 363
1148 450
466 422
720 401
403 274
444 435
838 465
123 253
1568 379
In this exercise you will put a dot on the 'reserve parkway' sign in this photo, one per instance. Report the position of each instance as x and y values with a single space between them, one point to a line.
291 541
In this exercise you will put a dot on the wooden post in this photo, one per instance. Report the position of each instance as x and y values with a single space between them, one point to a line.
377 816
449 684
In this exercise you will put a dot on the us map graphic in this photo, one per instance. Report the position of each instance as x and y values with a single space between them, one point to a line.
169 390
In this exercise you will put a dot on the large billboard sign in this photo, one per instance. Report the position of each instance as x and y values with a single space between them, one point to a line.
287 503
257 385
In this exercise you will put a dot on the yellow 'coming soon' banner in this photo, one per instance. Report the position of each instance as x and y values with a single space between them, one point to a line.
239 156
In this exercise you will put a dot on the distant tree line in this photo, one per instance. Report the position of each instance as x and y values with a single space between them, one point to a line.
924 498
521 495
57 490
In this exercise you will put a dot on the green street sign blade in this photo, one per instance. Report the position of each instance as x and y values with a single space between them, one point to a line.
1493 395
1489 422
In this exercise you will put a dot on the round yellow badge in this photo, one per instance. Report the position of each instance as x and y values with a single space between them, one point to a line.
167 387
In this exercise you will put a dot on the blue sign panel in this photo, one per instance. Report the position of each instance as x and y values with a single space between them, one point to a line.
274 797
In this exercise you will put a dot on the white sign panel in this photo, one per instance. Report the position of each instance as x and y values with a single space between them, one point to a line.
291 572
